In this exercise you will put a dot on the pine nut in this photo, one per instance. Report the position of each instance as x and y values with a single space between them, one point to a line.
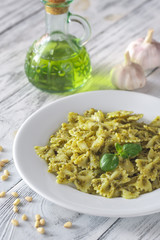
4 177
68 225
14 194
2 194
24 217
6 172
14 222
5 161
16 202
37 217
29 199
41 230
36 224
2 163
42 222
1 148
15 209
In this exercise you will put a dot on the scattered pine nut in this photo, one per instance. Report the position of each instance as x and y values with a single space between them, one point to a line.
1 148
24 217
36 224
2 194
42 222
16 202
6 172
68 225
41 230
4 177
37 217
14 194
14 222
4 161
29 199
15 209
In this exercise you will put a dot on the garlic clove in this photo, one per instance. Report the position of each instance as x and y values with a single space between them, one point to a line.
145 52
129 75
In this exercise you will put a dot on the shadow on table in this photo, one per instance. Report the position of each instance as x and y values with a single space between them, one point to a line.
100 80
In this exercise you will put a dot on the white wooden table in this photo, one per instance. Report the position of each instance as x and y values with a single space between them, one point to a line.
114 25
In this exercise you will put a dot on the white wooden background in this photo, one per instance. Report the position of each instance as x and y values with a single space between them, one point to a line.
114 24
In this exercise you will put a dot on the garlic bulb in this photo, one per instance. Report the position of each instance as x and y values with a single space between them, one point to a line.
145 52
129 75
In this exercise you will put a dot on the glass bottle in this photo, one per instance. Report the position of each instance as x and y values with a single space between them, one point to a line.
58 61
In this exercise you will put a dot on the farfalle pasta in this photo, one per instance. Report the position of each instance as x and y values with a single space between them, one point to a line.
73 153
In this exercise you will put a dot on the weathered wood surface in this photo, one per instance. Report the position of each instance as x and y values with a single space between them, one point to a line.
114 25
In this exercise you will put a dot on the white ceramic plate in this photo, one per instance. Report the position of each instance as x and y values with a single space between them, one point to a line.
37 129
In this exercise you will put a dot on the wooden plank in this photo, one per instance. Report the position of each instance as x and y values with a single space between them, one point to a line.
152 85
114 40
13 13
17 94
146 228
54 215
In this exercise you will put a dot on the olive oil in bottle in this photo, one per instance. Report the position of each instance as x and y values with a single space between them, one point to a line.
58 67
58 62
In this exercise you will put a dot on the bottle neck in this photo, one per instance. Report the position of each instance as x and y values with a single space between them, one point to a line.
56 23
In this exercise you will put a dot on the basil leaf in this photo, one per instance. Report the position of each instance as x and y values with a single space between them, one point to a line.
109 162
124 155
131 150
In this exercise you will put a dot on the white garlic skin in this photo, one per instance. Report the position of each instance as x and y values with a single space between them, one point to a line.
128 77
145 54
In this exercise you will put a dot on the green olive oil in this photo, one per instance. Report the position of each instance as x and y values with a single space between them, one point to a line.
57 66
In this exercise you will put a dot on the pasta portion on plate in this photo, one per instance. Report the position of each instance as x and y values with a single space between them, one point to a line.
74 152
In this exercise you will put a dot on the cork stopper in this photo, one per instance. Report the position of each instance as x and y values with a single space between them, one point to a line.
56 10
